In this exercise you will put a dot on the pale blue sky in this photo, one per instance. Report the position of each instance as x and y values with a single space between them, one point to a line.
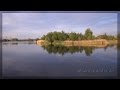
34 25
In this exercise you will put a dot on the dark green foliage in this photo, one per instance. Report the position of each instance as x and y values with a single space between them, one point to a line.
49 38
88 34
62 36
73 36
107 37
43 37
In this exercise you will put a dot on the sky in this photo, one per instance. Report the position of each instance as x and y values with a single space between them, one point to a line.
34 25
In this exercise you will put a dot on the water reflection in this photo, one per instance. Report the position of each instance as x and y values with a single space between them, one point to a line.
16 43
27 59
62 50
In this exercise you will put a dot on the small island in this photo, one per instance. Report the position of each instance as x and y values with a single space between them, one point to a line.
77 39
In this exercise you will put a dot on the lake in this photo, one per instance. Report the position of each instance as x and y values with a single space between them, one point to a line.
31 60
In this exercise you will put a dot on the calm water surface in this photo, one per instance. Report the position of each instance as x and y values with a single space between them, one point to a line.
30 59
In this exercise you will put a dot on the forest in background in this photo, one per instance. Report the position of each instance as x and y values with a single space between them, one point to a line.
88 35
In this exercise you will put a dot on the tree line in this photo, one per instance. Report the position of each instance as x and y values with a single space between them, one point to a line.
62 36
16 39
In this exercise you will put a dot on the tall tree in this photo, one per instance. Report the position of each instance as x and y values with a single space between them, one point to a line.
49 37
88 34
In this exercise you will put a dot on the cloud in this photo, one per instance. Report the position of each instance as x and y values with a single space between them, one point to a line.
33 25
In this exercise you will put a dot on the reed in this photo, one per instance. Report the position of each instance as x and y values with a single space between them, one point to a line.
97 42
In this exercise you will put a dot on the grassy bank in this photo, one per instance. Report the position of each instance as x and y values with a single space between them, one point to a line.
112 41
100 42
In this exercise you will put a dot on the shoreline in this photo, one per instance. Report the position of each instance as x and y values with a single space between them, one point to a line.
94 43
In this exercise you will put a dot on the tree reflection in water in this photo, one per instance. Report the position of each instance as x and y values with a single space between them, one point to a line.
68 49
59 49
